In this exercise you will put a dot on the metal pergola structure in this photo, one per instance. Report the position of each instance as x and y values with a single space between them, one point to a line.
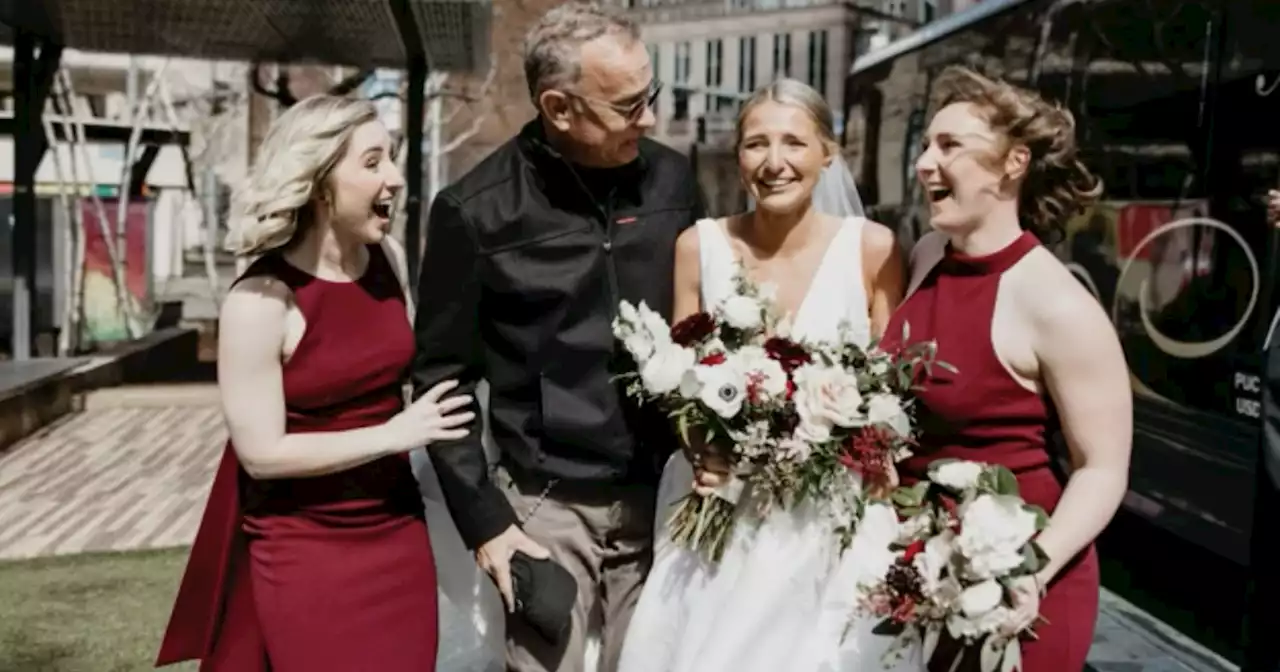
414 35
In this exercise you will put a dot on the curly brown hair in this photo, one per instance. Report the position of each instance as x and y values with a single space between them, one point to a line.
1057 185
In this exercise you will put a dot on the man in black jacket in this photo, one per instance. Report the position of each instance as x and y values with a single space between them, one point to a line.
526 260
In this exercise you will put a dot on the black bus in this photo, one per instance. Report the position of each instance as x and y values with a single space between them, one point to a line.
1177 104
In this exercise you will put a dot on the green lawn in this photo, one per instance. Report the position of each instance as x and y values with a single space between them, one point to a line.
100 612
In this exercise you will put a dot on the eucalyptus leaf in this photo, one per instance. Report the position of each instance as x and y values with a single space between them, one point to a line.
1012 657
992 652
889 627
1031 561
1006 482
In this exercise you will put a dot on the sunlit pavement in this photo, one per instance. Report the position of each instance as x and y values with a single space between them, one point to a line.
133 470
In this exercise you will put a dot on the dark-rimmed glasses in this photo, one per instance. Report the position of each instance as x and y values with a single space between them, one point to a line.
629 111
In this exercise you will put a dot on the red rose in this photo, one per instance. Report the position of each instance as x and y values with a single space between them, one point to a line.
788 353
713 359
693 329
915 548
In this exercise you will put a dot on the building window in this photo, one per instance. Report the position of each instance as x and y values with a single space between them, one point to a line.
818 61
680 88
747 64
781 55
928 10
715 73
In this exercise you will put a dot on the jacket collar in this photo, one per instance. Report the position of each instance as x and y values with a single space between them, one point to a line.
554 168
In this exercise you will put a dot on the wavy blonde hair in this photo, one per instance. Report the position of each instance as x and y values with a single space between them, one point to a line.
300 150
1057 185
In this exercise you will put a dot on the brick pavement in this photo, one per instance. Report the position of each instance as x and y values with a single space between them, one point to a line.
131 471
134 468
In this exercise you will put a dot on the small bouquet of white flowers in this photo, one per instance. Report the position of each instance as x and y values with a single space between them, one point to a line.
965 534
792 418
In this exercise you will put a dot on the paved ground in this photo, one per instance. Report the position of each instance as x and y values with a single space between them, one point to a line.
133 470
124 474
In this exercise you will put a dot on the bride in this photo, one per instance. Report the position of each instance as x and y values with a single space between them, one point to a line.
778 599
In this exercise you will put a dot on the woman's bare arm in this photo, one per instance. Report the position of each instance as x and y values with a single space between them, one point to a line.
688 276
251 334
1084 371
884 274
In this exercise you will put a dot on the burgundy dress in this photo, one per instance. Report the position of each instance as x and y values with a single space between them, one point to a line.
983 414
331 573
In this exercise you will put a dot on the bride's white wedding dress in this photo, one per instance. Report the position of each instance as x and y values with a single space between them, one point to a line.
781 599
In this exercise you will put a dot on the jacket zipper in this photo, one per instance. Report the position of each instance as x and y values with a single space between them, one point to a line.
611 269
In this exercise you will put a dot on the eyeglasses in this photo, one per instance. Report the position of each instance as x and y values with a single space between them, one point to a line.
631 112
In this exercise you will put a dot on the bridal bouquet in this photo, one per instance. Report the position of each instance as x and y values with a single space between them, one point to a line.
792 418
964 535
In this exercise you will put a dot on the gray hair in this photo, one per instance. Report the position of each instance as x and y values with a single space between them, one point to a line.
795 93
552 48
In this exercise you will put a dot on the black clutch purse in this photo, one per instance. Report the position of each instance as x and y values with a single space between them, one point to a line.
544 594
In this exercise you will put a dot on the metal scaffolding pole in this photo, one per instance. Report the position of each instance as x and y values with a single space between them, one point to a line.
413 167
32 77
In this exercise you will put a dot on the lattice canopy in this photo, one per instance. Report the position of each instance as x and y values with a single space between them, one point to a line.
454 34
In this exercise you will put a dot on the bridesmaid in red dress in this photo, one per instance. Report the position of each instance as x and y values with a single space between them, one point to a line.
1000 168
313 554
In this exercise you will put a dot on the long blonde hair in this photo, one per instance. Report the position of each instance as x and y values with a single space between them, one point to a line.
300 150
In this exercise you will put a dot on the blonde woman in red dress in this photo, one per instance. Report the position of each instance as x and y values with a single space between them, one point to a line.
313 554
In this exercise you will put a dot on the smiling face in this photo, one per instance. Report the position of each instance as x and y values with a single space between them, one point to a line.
363 185
781 156
964 168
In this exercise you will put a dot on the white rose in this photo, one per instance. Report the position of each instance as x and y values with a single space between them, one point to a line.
763 373
959 475
826 397
980 598
743 312
935 558
626 314
720 388
962 627
994 529
639 344
886 409
663 372
657 327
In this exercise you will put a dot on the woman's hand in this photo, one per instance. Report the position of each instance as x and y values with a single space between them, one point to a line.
883 486
429 419
1025 598
710 471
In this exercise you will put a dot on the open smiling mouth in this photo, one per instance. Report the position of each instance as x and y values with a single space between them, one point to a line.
773 185
938 193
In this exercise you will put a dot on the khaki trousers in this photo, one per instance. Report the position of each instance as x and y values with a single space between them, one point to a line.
604 536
